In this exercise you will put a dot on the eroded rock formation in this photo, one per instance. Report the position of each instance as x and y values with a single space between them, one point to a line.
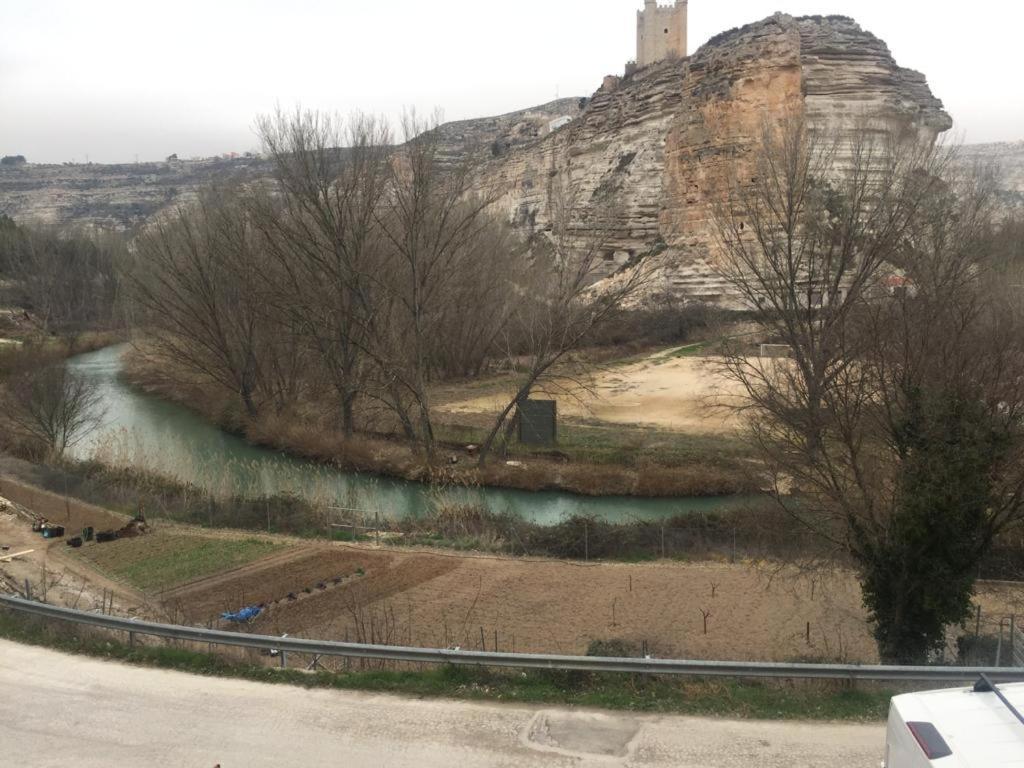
113 196
655 141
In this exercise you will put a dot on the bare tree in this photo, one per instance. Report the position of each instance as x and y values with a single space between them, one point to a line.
52 407
893 431
66 279
561 300
195 280
321 229
481 301
431 225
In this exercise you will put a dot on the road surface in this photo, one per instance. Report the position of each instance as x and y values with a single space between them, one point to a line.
59 710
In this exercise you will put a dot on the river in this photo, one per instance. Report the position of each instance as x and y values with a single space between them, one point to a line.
141 430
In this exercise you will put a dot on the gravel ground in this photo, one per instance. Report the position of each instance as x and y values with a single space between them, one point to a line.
60 710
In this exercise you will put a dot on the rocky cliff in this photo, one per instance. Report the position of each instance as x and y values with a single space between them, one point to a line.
122 196
112 196
1008 160
647 148
644 154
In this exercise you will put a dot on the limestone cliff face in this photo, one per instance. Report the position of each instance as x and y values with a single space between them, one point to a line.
496 136
113 196
1008 160
644 154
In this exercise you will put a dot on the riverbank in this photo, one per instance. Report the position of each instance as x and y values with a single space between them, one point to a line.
593 459
744 532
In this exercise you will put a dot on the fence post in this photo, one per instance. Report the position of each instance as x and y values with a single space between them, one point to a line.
1013 640
977 625
999 645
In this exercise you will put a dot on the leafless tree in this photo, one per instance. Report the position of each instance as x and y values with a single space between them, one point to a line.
481 302
893 431
561 299
432 226
53 407
195 282
66 279
320 224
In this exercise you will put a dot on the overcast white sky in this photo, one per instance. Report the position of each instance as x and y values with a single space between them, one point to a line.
110 80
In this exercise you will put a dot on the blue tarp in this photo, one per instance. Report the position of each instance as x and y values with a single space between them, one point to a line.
243 616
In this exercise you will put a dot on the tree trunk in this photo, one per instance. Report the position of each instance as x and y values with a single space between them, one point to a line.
488 446
348 414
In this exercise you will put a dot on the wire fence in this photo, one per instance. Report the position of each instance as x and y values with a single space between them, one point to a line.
643 666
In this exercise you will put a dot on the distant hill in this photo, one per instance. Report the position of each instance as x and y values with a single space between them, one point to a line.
113 196
1009 158
123 196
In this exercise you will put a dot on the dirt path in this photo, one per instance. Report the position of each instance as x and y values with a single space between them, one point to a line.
52 570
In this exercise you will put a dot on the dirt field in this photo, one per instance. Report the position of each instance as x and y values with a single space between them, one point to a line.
432 599
51 569
439 600
681 393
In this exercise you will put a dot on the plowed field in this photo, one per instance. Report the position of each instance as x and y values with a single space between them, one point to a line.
439 600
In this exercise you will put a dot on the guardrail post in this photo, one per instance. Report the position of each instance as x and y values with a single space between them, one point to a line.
284 659
131 640
1013 640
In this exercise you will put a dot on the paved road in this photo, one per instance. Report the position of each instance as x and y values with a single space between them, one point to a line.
58 710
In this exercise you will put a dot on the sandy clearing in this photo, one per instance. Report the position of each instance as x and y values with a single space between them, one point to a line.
680 393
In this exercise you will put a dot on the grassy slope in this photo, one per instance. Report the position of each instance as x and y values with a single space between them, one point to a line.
162 560
770 700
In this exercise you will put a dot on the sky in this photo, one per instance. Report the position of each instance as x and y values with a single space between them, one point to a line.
120 80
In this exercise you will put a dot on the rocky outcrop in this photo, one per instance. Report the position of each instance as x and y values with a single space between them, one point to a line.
112 196
649 150
1007 159
645 156
495 136
123 196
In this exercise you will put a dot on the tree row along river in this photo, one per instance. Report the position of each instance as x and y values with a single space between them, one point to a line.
144 431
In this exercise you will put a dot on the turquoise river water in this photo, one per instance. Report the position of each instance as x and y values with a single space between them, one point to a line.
145 431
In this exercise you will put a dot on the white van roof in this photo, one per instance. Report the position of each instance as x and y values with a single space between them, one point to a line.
980 729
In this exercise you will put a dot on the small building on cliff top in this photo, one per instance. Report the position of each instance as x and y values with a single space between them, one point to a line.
661 32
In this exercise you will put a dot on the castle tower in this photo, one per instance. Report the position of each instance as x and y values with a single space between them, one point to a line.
660 32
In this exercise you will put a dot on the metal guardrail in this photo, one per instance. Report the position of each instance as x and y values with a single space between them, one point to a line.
518 661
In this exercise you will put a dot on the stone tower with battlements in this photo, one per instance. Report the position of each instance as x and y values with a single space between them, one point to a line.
660 32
